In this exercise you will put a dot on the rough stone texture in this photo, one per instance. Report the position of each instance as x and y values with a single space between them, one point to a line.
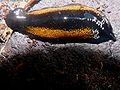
63 66
108 7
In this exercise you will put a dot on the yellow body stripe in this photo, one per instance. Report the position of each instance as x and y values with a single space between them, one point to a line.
71 7
83 33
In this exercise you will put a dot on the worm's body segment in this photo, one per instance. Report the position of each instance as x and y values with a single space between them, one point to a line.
71 23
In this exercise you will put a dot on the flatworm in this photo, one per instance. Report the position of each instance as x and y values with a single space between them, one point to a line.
66 24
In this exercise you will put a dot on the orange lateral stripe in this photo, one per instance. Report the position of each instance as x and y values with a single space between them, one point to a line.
82 33
71 7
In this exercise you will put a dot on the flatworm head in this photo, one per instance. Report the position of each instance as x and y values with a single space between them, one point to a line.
71 23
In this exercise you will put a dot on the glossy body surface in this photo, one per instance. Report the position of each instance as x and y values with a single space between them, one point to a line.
67 24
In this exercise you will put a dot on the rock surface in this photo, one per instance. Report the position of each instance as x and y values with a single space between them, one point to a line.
109 8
